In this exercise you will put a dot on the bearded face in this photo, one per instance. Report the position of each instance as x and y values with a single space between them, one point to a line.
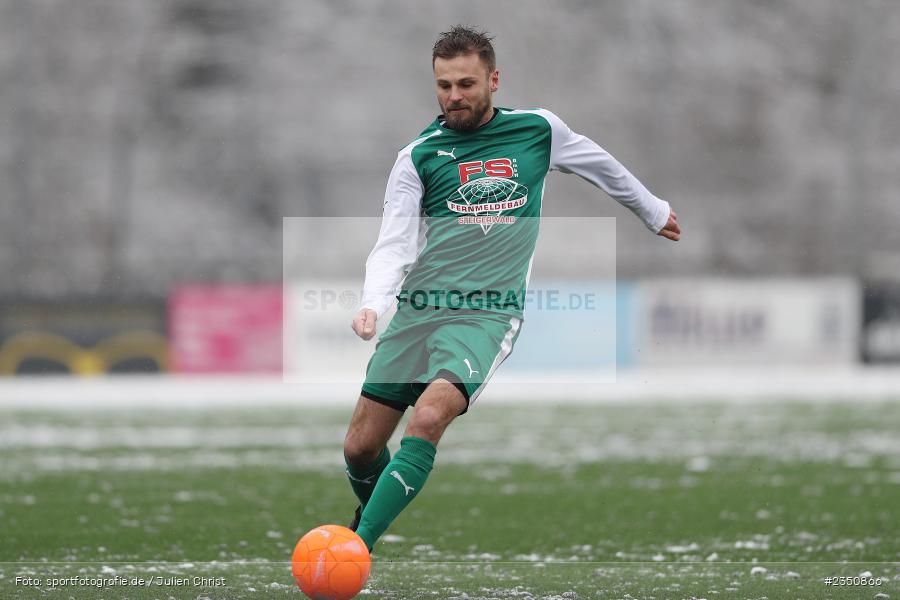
464 89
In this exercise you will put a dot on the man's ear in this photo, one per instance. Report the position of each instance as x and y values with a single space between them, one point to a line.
495 80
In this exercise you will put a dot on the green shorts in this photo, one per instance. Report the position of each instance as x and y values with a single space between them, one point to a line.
462 346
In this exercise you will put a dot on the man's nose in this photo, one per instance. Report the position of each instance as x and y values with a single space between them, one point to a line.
455 95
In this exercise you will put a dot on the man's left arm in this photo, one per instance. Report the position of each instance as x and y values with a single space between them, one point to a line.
575 153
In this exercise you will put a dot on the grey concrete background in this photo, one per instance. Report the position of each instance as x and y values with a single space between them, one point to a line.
144 143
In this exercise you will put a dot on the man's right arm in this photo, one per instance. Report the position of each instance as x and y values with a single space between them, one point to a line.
397 247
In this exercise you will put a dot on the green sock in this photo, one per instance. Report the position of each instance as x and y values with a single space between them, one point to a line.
363 479
399 483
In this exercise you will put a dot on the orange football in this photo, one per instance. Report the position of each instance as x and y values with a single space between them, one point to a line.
331 562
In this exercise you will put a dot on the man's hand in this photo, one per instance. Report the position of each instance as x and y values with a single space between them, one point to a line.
671 231
364 323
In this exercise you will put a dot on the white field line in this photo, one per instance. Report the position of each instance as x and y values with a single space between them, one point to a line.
656 385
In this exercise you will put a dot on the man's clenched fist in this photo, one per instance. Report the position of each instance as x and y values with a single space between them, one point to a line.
364 323
671 230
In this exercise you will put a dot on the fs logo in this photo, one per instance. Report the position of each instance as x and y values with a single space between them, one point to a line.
483 200
495 167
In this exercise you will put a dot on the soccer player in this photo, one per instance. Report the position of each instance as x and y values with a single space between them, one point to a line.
461 215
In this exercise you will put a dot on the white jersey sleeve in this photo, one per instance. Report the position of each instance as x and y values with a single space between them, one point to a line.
574 153
401 236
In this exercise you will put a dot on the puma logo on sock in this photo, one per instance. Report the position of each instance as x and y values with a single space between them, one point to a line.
399 478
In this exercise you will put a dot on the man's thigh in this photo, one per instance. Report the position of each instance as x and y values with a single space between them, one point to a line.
372 425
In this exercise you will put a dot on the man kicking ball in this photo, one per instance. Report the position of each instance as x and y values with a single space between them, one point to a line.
461 217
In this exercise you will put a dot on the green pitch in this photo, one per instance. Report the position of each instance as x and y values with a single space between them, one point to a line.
719 500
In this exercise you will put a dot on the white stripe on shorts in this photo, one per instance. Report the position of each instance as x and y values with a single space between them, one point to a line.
505 350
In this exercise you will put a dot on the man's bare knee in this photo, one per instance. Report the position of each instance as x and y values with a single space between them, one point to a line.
360 452
437 407
429 422
370 429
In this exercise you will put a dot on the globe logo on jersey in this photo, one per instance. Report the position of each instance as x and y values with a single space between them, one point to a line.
483 201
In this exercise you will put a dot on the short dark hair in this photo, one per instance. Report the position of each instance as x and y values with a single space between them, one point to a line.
461 40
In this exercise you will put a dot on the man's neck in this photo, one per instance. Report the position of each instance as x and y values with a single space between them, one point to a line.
488 115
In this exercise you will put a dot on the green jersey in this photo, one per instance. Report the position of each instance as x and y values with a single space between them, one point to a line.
462 210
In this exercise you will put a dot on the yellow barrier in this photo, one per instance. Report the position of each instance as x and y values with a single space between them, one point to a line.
79 360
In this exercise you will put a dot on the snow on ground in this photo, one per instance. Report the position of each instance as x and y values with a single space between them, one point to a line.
680 384
697 436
